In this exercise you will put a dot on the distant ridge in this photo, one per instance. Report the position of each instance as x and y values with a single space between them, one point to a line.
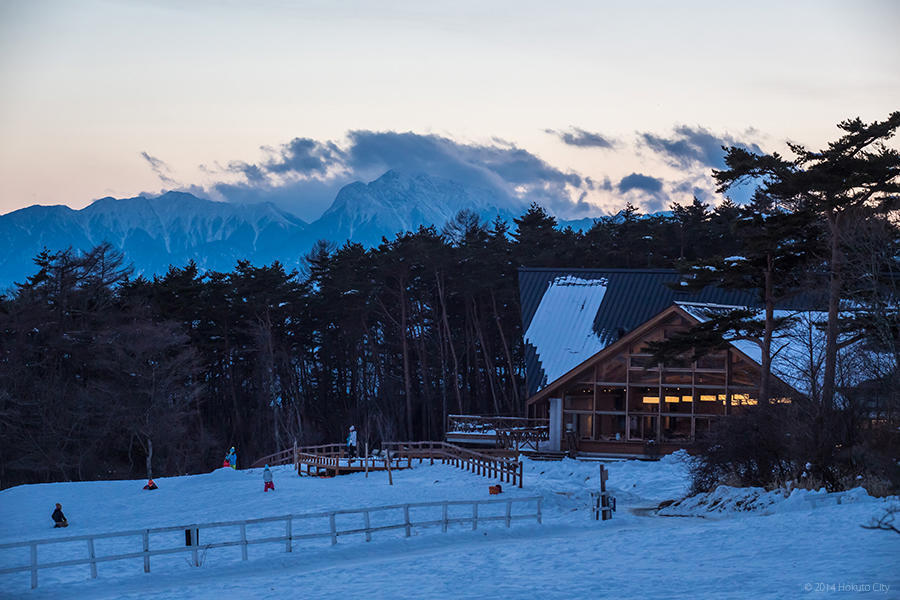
177 227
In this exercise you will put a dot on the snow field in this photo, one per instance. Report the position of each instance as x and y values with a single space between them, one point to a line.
774 550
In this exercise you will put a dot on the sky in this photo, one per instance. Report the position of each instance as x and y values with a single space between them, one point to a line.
581 106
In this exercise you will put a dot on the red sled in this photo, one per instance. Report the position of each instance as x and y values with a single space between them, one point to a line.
226 464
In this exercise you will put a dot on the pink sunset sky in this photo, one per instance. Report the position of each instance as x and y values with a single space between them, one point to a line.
588 105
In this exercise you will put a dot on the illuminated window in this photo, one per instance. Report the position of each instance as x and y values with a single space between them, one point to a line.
671 398
651 399
742 400
707 398
687 398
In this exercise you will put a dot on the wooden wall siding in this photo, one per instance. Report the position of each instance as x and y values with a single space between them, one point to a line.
728 376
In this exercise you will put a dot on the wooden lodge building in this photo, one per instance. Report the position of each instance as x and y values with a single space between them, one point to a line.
588 369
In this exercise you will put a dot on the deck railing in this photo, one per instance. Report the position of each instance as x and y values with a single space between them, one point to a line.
490 425
399 518
500 467
334 458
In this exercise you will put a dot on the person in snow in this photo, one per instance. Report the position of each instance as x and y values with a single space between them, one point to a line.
351 442
267 480
230 459
58 517
151 485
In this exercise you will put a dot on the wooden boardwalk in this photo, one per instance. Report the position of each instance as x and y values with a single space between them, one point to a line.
333 459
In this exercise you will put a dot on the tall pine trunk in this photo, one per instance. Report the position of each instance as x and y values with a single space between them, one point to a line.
834 301
407 381
446 322
149 458
766 355
509 361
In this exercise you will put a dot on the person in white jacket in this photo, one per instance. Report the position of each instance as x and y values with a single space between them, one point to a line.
267 480
351 442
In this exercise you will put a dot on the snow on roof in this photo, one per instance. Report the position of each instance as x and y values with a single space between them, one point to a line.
564 324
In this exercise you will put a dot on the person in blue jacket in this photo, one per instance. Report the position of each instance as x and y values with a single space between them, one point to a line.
231 458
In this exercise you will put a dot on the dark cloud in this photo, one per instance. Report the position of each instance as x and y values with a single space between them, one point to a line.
694 146
644 183
305 156
160 168
581 138
645 191
254 173
304 175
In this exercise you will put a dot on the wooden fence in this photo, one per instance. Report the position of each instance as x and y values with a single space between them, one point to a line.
500 467
402 520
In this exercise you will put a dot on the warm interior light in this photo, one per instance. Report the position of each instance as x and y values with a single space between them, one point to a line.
671 398
687 398
742 399
707 398
651 399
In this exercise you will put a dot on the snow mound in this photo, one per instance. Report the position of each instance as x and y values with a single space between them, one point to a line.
567 484
726 500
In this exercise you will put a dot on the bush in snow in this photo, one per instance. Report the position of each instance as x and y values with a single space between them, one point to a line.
798 445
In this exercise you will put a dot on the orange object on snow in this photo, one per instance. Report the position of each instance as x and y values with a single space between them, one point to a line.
495 489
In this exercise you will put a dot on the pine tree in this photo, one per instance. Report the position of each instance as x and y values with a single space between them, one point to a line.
839 184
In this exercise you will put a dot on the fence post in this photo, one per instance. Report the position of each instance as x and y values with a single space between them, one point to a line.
474 516
368 527
146 536
33 566
508 512
444 517
195 538
296 459
520 469
288 533
406 518
93 558
333 528
243 541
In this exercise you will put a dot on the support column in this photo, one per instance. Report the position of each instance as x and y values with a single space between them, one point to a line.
556 424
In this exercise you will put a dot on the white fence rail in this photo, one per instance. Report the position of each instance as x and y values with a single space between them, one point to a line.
393 517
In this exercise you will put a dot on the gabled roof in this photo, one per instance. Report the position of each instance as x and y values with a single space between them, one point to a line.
568 315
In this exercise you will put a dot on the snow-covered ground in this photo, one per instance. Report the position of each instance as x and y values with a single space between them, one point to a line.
729 544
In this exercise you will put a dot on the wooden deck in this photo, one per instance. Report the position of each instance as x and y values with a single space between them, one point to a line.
332 459
623 449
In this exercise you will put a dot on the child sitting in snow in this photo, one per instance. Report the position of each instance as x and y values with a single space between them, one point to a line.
58 517
151 485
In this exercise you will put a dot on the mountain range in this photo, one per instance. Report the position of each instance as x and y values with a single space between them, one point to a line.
176 227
